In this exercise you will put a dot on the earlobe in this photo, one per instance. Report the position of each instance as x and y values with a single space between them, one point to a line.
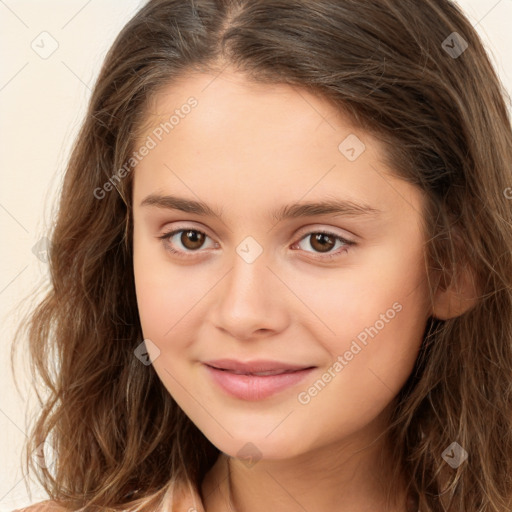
458 297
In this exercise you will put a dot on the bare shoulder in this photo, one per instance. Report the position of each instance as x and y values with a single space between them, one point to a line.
43 506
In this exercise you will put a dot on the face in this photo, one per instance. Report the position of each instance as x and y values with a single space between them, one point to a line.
249 274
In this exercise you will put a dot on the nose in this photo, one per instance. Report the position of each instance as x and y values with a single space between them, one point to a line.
251 301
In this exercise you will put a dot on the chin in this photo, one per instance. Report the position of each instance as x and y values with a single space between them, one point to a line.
257 445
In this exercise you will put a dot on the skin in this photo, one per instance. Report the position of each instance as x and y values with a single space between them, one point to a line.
248 149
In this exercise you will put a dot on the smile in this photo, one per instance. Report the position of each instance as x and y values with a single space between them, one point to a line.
253 386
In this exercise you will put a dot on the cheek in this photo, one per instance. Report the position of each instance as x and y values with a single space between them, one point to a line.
168 296
374 317
386 293
377 339
380 325
158 294
150 293
161 303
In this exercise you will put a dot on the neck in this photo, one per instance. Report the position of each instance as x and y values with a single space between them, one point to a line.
334 478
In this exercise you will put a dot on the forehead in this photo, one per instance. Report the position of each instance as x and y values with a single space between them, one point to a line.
244 140
222 95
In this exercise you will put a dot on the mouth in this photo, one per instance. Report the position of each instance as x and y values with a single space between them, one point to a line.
259 374
257 382
255 367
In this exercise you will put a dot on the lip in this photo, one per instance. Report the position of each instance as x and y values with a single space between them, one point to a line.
257 365
255 387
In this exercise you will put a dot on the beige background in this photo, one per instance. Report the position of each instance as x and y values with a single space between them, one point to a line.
42 101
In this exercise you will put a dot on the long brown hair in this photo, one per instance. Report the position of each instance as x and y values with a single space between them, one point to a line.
402 71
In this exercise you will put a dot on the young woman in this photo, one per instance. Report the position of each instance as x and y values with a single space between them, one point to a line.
282 267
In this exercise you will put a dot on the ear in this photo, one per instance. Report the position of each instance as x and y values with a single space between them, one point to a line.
459 296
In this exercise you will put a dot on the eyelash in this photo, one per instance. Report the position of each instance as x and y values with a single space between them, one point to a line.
347 243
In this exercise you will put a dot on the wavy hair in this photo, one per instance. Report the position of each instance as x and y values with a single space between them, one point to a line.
119 438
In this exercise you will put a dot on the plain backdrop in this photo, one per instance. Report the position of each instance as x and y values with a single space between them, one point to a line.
51 52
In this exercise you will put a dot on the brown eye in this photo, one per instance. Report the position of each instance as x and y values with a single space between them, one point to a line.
192 239
322 242
184 242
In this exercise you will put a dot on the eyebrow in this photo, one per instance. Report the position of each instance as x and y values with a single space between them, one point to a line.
338 207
